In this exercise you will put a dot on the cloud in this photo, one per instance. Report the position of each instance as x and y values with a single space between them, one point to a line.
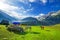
6 7
14 11
3 0
39 15
43 1
56 13
9 9
22 1
26 1
32 0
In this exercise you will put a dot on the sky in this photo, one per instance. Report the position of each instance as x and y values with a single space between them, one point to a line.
28 8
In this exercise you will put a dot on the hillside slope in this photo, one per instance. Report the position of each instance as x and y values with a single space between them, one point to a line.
5 16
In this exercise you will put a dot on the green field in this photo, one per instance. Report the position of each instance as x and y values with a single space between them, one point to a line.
49 33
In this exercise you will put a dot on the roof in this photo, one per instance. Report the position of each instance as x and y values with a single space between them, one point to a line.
16 22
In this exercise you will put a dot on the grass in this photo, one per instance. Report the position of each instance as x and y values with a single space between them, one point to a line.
49 33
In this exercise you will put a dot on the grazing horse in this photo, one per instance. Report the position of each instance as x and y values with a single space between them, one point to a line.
42 27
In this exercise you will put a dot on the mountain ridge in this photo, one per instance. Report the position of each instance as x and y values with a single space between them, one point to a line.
3 15
48 19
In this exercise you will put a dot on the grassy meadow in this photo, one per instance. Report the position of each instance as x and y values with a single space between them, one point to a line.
49 33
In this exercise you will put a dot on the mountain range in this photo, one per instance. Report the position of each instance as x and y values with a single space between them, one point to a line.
50 18
47 19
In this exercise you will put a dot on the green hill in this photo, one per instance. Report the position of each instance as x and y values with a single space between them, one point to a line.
49 33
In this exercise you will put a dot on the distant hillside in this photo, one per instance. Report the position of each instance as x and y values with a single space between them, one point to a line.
51 18
5 16
30 21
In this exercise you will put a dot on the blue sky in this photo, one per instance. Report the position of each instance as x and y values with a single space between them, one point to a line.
28 8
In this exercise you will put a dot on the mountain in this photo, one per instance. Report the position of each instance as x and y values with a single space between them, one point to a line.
54 18
5 16
41 17
51 18
30 21
47 19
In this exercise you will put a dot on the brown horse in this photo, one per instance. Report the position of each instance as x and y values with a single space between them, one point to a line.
42 27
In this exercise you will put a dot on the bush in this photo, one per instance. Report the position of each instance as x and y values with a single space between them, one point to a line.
16 29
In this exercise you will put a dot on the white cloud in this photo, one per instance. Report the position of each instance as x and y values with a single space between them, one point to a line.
14 14
29 9
4 6
3 0
12 10
26 1
56 13
39 15
32 0
8 8
43 1
22 1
